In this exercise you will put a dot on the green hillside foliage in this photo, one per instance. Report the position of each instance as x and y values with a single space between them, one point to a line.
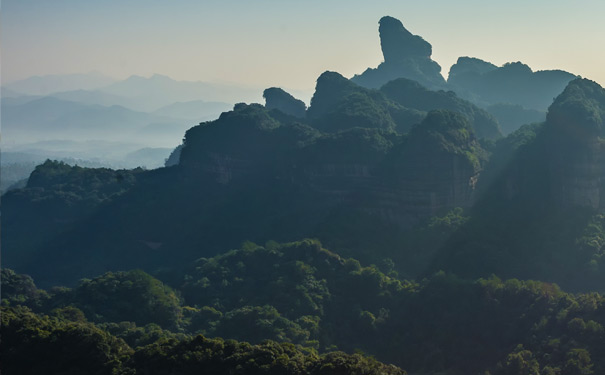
253 174
528 224
56 199
34 344
314 301
393 225
411 94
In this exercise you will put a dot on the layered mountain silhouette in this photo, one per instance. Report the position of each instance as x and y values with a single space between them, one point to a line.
45 85
295 176
416 203
49 118
405 56
512 83
513 93
403 172
542 208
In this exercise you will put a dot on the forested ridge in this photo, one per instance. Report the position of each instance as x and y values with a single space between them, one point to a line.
318 302
393 225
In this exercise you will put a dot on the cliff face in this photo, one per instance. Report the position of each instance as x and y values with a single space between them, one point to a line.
258 174
437 168
565 166
405 56
575 125
541 217
400 179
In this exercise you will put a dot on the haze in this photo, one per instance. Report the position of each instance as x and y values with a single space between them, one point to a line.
285 43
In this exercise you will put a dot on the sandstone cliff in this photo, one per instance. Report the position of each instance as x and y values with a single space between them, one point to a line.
405 56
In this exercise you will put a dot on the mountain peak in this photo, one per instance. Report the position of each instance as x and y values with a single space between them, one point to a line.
398 43
405 56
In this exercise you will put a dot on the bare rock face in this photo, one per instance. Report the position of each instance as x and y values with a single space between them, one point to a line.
398 44
438 168
433 171
277 98
405 56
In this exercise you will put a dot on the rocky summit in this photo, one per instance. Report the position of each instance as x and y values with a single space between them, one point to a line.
277 98
405 56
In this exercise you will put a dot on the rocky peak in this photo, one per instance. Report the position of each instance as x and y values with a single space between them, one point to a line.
331 87
277 98
469 66
405 56
398 43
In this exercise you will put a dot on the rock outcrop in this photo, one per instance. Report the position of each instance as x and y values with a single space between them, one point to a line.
277 98
434 171
405 56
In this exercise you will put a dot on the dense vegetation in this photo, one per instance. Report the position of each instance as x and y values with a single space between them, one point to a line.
541 214
512 83
34 344
302 294
254 174
432 218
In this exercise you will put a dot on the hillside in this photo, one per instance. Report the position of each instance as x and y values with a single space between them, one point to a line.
397 223
303 181
541 215
312 301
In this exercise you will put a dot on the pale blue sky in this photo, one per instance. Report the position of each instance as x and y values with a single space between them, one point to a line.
289 43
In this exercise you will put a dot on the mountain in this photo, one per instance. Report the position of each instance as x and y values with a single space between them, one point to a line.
277 98
437 243
48 84
51 118
314 302
405 56
261 175
158 91
513 83
340 104
96 97
7 93
196 110
526 94
541 214
411 94
512 116
269 176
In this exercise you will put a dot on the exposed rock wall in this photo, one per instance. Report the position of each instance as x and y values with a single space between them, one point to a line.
405 56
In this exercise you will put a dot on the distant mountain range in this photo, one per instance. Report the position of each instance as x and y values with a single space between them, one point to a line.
48 84
413 179
51 118
154 111
135 92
